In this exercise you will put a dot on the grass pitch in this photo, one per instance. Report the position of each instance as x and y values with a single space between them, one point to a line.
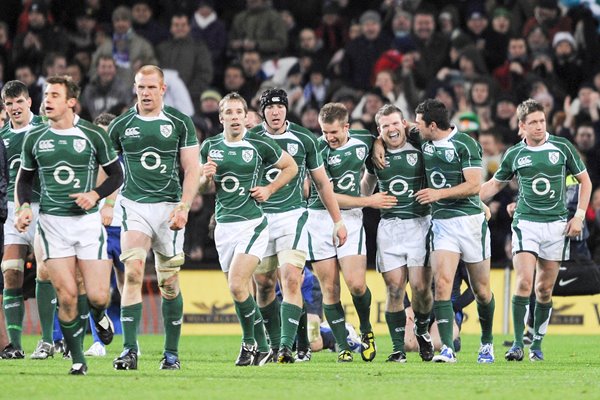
571 371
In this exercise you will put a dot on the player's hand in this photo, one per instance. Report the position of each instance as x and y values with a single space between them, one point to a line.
86 200
428 196
107 213
179 216
378 157
340 234
209 169
382 200
574 227
510 209
23 218
261 193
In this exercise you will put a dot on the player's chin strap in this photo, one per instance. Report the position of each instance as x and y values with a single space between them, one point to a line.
166 267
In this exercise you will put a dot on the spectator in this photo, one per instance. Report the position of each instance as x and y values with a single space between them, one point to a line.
83 38
547 16
234 80
129 50
207 27
208 114
567 64
332 29
177 94
26 74
190 58
145 25
41 37
497 40
505 118
432 46
361 53
252 65
54 64
512 73
258 28
106 90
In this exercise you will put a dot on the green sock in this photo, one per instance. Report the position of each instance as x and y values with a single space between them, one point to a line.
83 308
172 312
46 305
73 333
290 316
396 322
519 310
486 320
422 322
246 314
272 320
14 307
541 319
303 342
363 309
334 313
131 316
444 315
260 335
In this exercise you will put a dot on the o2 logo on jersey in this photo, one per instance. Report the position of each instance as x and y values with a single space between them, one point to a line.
544 188
151 160
64 175
272 174
46 145
438 180
347 182
398 187
231 184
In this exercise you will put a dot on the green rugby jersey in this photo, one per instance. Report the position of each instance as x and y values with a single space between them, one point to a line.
445 161
302 145
343 165
541 172
240 166
403 177
13 141
150 147
67 161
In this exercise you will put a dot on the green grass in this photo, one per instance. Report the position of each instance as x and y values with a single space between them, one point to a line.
571 371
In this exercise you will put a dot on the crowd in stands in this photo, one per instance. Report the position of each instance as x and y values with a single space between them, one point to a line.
480 58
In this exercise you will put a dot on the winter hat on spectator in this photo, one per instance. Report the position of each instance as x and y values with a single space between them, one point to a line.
549 4
39 7
564 37
370 15
210 94
468 122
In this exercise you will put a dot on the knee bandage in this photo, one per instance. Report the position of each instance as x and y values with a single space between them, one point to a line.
134 254
297 258
19 265
267 264
166 267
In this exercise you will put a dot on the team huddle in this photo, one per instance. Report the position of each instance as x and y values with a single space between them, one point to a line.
283 198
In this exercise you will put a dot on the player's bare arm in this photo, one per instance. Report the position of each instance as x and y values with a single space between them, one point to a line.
191 180
288 168
325 189
575 224
469 187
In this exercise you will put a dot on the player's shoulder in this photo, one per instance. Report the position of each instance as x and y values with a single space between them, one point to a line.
123 118
299 130
258 129
558 141
37 120
175 114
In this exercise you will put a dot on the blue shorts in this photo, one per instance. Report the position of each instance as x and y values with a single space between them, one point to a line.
113 247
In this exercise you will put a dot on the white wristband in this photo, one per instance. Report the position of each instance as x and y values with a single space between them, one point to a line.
580 213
